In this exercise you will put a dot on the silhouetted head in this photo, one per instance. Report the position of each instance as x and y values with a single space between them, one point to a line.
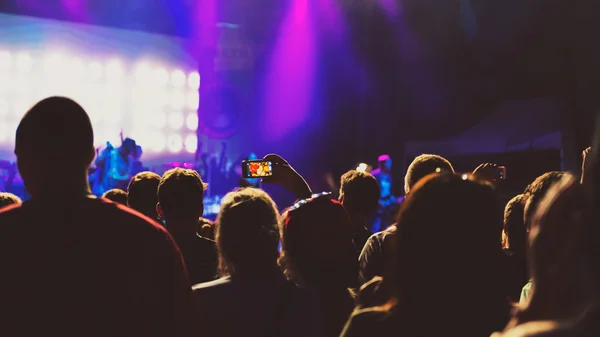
536 192
129 146
447 245
246 234
116 195
142 193
7 199
54 146
423 166
317 248
514 224
359 193
181 198
385 163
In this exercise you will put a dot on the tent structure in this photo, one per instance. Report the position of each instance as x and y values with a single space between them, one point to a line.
515 125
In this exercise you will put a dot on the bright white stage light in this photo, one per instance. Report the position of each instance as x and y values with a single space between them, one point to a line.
95 70
177 99
194 80
362 167
114 70
54 63
143 74
24 62
161 77
178 78
5 59
175 143
3 106
192 121
21 86
191 143
76 67
193 100
176 121
20 108
158 142
158 119
5 132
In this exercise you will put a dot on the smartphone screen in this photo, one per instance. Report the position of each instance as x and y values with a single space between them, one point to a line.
257 168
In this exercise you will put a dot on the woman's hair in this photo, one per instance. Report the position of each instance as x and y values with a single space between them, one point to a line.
317 249
246 233
447 253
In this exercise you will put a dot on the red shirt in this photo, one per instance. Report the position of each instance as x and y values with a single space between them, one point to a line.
89 267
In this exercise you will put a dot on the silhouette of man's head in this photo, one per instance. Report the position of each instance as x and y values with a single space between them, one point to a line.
359 193
246 233
181 197
7 199
317 248
536 192
423 166
54 143
385 163
116 195
514 223
142 193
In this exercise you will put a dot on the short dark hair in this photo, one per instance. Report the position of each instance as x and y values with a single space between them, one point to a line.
142 193
423 166
361 192
246 233
514 223
56 129
181 193
7 199
116 195
536 191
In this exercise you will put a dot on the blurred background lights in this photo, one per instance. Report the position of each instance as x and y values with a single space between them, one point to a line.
176 121
192 121
114 70
193 100
95 71
161 77
175 143
194 80
191 143
5 59
24 62
178 78
143 74
177 99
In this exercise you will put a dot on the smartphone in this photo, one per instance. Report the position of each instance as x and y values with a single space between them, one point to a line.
257 168
501 174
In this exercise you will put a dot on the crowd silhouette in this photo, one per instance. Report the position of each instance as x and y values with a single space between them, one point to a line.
143 262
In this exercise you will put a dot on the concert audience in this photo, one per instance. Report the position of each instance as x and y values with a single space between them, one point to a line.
7 199
142 193
180 205
116 195
75 265
252 297
359 194
444 275
374 254
515 246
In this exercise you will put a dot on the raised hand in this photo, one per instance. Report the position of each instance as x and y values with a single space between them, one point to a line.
284 175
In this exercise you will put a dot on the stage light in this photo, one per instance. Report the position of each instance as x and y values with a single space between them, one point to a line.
143 74
95 71
114 70
5 132
21 85
191 143
177 99
161 77
54 63
175 143
20 108
158 119
76 67
5 59
24 62
3 106
465 176
194 80
176 121
158 143
178 78
193 100
192 121
362 167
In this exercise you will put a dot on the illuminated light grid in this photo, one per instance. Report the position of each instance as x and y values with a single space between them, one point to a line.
192 121
5 60
193 100
107 89
194 80
175 143
191 143
178 78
